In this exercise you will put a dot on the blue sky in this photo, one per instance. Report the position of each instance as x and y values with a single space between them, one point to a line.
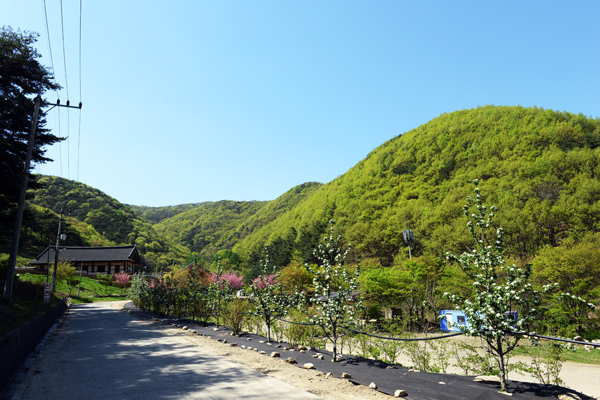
189 101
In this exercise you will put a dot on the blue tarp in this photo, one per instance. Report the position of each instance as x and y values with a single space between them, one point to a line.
453 319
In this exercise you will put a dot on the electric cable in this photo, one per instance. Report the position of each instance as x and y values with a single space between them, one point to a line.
64 52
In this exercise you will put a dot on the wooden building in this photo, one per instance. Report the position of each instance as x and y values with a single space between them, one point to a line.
92 260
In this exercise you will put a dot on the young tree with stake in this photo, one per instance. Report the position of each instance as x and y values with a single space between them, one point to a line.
498 289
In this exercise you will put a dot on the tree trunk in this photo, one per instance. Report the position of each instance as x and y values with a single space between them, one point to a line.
503 387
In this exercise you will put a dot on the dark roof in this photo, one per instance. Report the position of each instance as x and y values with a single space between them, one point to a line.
90 254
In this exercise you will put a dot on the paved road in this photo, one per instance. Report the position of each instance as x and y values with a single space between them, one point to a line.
101 353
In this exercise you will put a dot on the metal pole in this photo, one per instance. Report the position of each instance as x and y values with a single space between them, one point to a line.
48 267
14 248
80 270
57 248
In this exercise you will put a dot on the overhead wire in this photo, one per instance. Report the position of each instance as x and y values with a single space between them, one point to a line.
79 132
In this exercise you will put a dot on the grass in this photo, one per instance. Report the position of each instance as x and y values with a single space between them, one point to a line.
27 303
89 288
581 355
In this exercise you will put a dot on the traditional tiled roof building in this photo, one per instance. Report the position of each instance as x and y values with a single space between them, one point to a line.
93 260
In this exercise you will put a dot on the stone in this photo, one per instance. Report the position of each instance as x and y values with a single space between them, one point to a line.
568 396
302 351
413 370
286 348
185 328
216 329
268 343
262 352
290 360
275 354
232 344
254 349
487 379
329 375
313 356
242 346
346 375
400 393
218 340
278 346
442 383
246 339
261 341
320 357
224 340
190 330
360 358
308 366
373 386
390 367
301 347
578 338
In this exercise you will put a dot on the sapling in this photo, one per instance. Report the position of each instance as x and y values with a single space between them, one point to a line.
334 289
271 300
494 297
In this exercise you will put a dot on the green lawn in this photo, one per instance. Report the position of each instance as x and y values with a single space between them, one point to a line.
89 287
581 355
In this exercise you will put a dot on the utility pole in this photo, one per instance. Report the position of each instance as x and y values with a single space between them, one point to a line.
14 247
56 250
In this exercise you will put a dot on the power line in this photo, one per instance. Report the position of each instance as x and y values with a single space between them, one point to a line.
48 38
79 133
62 24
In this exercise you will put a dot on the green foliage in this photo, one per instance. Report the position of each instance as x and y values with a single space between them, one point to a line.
64 271
117 222
494 297
575 267
336 300
22 77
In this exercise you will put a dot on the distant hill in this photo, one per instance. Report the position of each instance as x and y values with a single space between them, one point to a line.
211 227
115 221
155 215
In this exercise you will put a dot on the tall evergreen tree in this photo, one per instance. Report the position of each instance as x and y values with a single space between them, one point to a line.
22 78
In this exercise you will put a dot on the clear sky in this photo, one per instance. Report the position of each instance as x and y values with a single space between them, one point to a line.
190 101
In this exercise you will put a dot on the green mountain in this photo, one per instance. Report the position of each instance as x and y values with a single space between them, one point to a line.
211 227
116 222
155 215
540 167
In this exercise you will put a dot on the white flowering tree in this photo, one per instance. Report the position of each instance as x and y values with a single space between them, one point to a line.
335 288
498 289
272 300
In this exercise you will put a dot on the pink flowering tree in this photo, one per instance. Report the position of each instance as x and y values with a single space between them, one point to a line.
235 282
122 279
263 281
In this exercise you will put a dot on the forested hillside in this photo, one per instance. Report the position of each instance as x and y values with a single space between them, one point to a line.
155 215
116 222
541 167
221 225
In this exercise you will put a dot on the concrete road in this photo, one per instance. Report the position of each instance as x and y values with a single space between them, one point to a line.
101 353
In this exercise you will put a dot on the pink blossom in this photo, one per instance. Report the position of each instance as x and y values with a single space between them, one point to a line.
122 279
262 283
236 282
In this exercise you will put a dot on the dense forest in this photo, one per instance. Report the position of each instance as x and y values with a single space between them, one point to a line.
116 222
